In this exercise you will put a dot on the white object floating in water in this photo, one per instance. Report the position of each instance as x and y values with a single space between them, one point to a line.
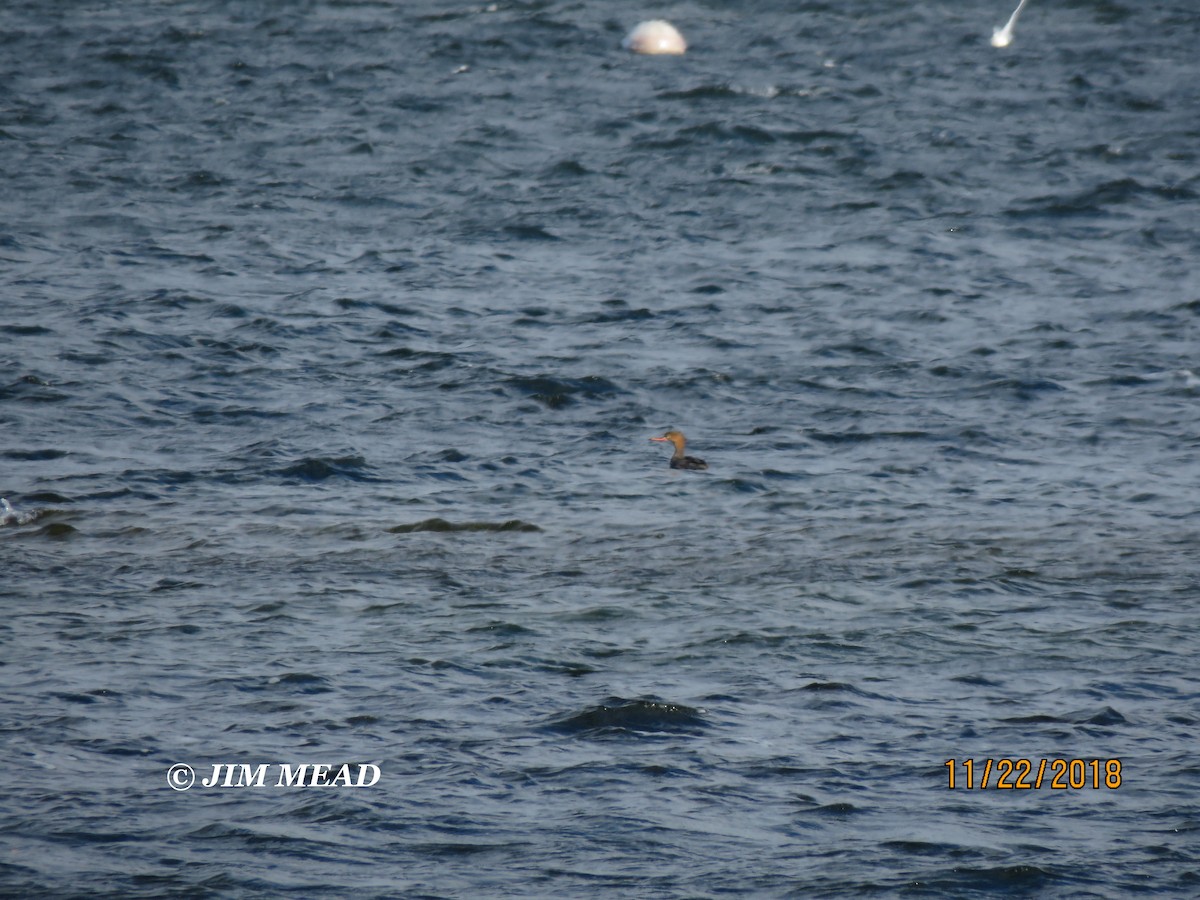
655 37
1002 37
9 516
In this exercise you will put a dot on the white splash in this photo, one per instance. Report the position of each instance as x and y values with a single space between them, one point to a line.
655 37
9 516
1002 37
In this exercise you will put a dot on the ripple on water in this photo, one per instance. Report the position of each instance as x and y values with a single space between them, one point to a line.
618 715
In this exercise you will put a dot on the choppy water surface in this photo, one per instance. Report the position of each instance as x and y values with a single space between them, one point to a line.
331 339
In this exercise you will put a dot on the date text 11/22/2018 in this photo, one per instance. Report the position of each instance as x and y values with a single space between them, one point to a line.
1031 774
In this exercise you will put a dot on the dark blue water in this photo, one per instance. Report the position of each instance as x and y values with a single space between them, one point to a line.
332 335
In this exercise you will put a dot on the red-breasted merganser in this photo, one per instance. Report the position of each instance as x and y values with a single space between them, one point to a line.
678 460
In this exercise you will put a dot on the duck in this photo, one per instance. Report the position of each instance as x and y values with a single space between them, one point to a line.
678 460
